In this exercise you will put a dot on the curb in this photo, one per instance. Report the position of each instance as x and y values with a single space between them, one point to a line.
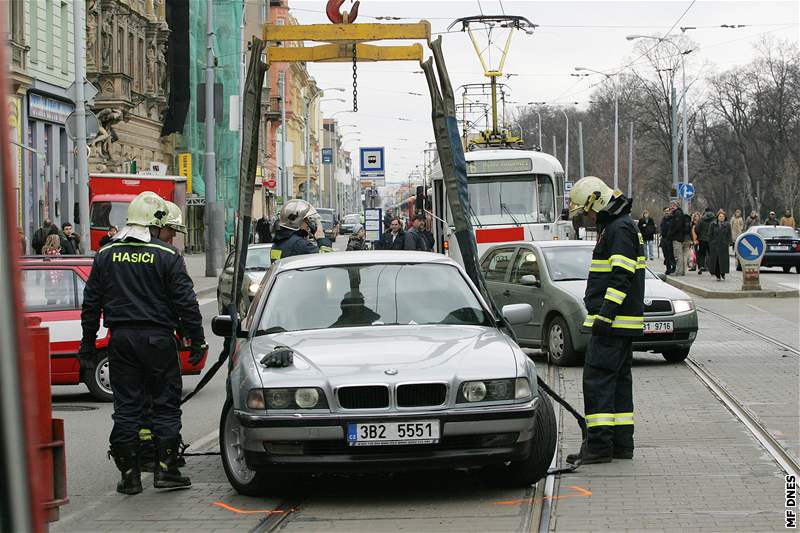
706 293
208 291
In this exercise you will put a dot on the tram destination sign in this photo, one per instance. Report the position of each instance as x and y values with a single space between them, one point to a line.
499 166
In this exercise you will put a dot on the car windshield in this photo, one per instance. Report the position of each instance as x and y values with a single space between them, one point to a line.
106 214
370 295
326 217
258 258
569 263
352 219
772 232
511 199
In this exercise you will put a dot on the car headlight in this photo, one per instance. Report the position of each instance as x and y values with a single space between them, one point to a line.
287 398
681 306
253 289
493 390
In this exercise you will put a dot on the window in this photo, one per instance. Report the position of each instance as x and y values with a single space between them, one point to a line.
524 265
120 50
495 265
48 6
105 214
370 295
65 21
34 30
131 56
547 211
49 289
263 8
140 76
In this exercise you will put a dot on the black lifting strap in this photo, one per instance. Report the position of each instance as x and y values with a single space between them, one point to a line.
223 355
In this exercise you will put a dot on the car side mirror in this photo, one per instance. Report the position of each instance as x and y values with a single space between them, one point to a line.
530 281
222 326
518 314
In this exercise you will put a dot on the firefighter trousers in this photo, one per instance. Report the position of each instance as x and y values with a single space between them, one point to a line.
608 395
144 362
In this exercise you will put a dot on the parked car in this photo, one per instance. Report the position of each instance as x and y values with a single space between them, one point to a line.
349 222
783 247
53 291
551 277
328 223
256 266
387 373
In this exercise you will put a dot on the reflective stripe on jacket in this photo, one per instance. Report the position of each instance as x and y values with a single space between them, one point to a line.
615 287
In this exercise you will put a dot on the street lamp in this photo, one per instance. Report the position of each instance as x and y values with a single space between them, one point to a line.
566 149
320 92
539 116
683 54
616 120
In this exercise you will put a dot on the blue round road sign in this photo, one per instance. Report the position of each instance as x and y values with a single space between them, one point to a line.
750 247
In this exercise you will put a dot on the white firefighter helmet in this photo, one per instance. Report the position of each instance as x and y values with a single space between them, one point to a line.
590 194
294 212
147 209
174 218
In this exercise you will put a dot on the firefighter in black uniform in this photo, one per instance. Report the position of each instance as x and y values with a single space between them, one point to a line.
615 313
140 286
298 221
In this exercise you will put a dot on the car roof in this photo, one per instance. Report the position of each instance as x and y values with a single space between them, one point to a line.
751 228
78 260
362 258
542 244
259 245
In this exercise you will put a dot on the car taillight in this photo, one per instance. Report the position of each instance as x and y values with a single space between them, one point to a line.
797 247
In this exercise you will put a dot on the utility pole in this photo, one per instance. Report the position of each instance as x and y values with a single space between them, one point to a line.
81 155
580 147
286 188
308 150
630 163
210 215
566 148
674 139
616 134
555 152
685 132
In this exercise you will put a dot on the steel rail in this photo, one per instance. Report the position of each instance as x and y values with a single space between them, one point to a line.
751 331
546 512
787 462
275 519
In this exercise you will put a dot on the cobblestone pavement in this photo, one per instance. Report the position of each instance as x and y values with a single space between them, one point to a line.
696 468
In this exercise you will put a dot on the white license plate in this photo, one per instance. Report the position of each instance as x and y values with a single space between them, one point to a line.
658 327
393 433
779 248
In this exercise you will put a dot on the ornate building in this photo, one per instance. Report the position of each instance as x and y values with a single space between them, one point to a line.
126 61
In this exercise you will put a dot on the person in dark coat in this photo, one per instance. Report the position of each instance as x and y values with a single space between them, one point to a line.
356 241
703 231
108 237
666 243
414 239
263 230
677 234
647 227
40 236
394 238
719 239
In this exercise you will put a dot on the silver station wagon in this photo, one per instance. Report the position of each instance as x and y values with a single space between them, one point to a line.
398 364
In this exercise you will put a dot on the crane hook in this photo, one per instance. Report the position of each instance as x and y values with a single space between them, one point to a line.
337 17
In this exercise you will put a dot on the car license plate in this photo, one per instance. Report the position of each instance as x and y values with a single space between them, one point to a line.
658 327
393 433
779 248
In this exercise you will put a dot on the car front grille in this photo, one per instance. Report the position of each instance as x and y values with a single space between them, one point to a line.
366 397
458 442
658 307
421 394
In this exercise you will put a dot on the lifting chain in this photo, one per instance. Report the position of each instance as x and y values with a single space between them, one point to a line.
355 81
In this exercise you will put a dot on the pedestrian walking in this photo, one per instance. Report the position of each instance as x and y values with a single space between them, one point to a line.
695 242
300 232
71 242
647 227
109 236
787 219
752 220
357 242
666 243
263 230
614 301
703 231
40 236
140 287
414 239
394 238
719 261
771 220
677 234
737 225
427 234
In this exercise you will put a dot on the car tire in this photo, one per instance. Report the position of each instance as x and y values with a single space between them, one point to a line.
98 379
797 269
558 344
787 269
529 471
244 480
676 356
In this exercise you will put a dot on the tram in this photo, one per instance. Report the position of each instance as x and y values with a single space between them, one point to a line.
514 195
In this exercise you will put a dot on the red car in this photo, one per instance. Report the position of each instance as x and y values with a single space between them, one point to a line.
53 289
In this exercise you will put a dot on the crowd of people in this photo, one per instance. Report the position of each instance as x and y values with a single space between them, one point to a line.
50 240
699 242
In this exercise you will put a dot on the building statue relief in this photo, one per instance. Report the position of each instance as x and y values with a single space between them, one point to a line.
91 39
152 70
106 135
107 35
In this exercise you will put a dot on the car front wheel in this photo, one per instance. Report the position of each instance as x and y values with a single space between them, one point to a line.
559 344
676 356
98 379
231 443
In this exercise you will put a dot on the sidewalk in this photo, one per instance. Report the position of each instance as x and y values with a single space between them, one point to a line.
196 266
707 286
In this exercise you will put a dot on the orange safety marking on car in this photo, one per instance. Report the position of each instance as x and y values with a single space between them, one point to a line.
580 492
483 236
252 511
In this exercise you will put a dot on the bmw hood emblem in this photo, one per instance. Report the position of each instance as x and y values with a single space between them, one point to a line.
648 301
390 372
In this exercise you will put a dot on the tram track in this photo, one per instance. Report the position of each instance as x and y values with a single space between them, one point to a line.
750 331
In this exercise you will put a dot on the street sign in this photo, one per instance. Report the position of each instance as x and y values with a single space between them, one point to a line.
373 220
185 169
567 186
271 183
685 191
750 249
89 92
372 162
327 155
92 126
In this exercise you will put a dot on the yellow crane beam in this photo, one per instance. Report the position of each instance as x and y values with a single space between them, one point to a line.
344 53
332 33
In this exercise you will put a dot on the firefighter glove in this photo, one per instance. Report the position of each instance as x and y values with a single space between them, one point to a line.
197 351
280 356
601 326
87 354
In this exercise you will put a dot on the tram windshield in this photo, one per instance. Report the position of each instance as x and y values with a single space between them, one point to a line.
526 199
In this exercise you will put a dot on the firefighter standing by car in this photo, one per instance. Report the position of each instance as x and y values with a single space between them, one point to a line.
299 221
140 286
614 302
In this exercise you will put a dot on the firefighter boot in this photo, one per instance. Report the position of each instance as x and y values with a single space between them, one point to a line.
585 457
147 450
126 457
166 474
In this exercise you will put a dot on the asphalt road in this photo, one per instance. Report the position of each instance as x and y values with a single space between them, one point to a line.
90 474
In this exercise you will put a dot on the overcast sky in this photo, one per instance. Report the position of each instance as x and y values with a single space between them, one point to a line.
589 34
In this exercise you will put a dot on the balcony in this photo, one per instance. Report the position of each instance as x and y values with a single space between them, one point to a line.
273 108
